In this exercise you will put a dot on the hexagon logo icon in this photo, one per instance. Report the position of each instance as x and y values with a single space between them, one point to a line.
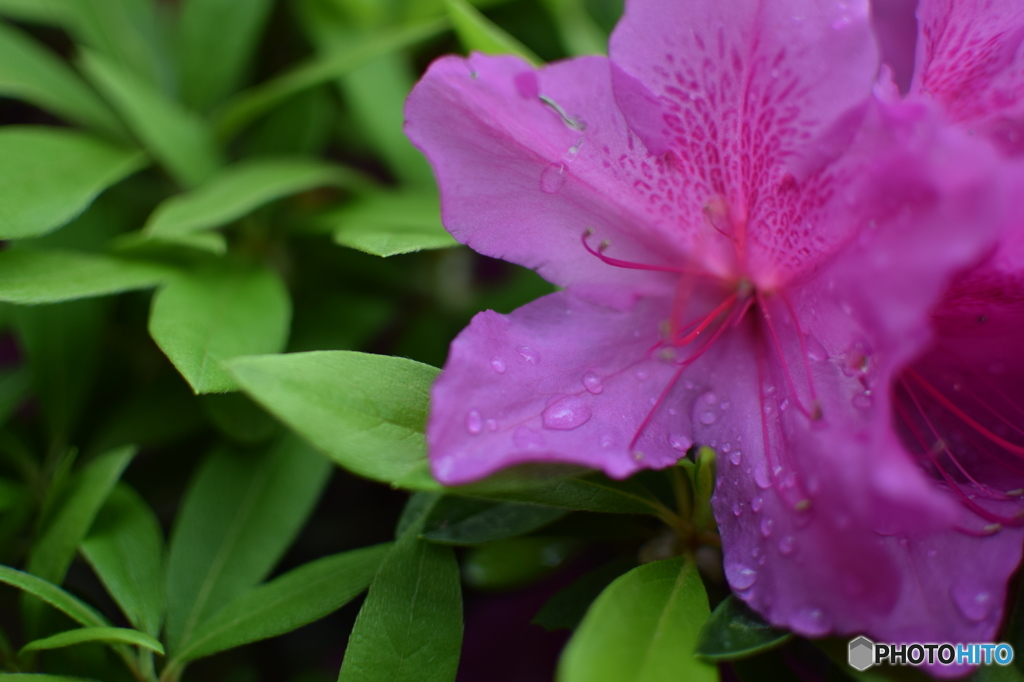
862 653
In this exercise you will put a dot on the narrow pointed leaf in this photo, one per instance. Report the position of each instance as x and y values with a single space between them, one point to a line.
410 627
643 627
176 138
93 635
366 411
298 597
127 32
125 549
49 12
734 631
40 677
203 318
51 175
51 594
239 515
30 276
461 521
479 34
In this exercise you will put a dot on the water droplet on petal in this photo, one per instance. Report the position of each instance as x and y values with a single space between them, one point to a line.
762 479
737 508
688 385
529 354
566 414
474 422
810 622
492 425
766 527
680 442
553 178
641 374
787 545
498 365
974 603
757 504
741 577
736 458
710 398
707 418
592 383
784 404
607 441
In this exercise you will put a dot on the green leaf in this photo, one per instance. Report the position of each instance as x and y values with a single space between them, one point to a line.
591 493
239 515
37 677
30 276
734 631
580 34
237 191
239 418
125 549
252 103
47 12
460 521
643 627
51 175
566 609
390 223
213 60
54 550
298 597
704 487
31 73
179 140
51 594
514 562
203 318
478 34
366 411
14 384
410 627
90 635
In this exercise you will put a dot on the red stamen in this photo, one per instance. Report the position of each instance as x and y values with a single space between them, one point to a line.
629 265
785 367
803 345
711 317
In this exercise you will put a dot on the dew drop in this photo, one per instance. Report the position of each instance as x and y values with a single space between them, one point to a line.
566 414
474 422
766 527
975 604
592 383
529 354
736 458
740 576
641 374
553 178
762 479
607 441
707 418
784 404
710 398
757 504
737 508
680 442
810 622
787 545
498 365
725 405
688 385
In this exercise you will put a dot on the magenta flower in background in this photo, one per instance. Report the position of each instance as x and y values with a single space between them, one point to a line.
750 243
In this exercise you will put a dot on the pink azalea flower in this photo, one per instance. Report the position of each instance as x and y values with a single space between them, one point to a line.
749 243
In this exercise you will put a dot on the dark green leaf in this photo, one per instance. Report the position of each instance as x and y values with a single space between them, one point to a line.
53 595
13 386
567 608
125 549
410 627
298 597
643 627
38 677
479 34
28 276
91 635
462 521
29 72
49 12
201 319
591 493
175 137
213 60
387 224
366 411
240 513
54 550
579 32
50 175
239 418
505 564
734 631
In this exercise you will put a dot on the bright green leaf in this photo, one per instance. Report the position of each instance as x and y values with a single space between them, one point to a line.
203 318
53 595
477 33
30 72
178 139
239 515
50 175
386 224
91 635
239 190
366 411
54 550
40 11
213 60
30 276
253 103
125 549
410 627
461 521
734 631
644 627
298 597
